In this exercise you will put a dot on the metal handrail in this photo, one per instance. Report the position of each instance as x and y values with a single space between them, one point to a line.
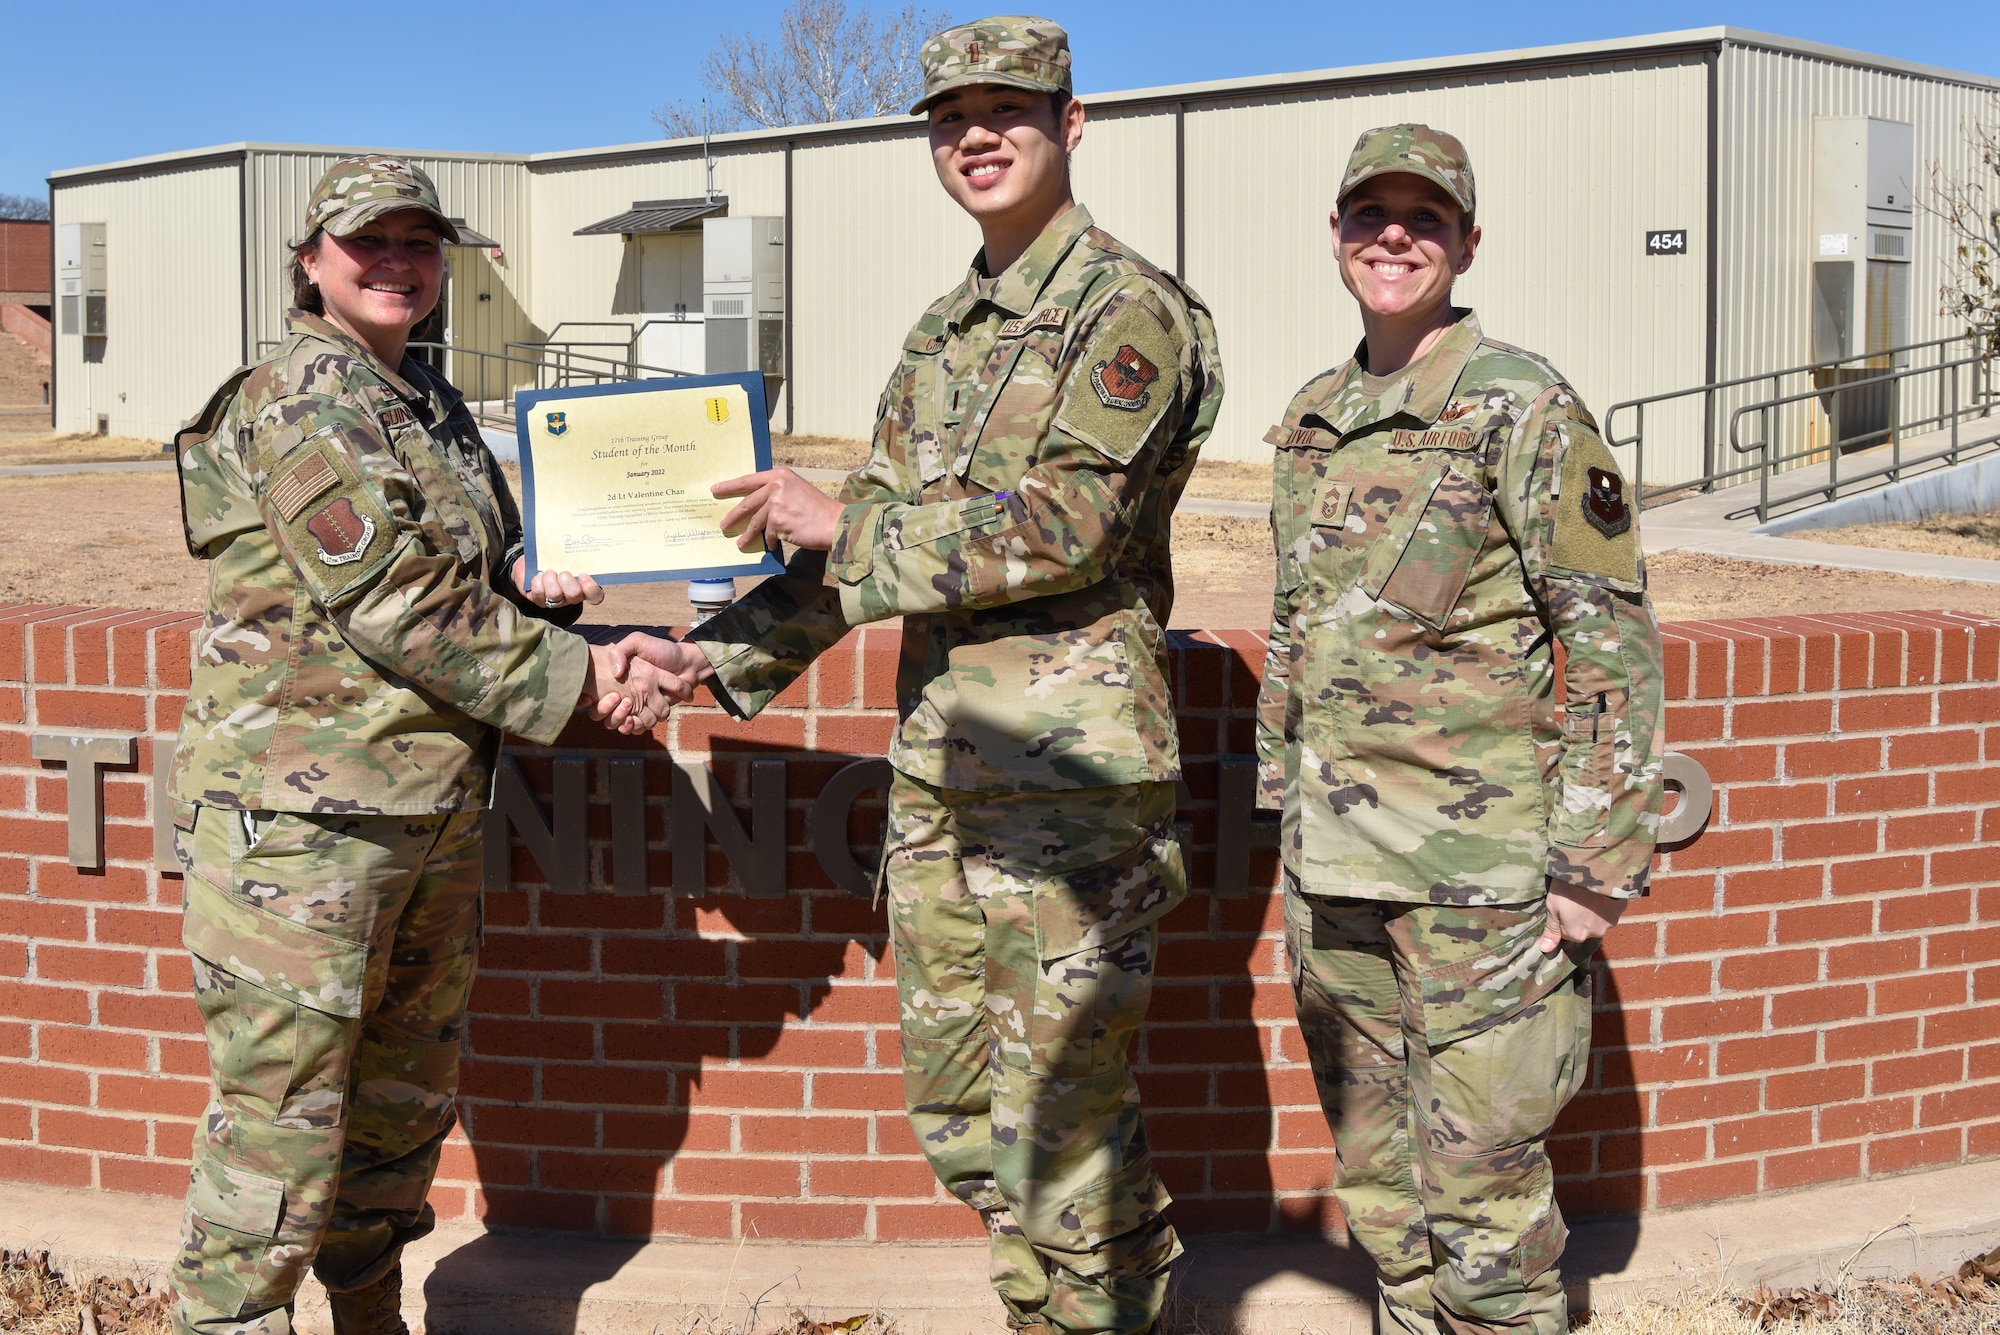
1769 460
1979 403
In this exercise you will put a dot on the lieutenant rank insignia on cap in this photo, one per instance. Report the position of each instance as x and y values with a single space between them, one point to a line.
1122 381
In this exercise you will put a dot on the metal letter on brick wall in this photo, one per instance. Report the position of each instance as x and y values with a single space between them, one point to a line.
1686 775
629 870
85 755
1237 829
164 857
756 857
826 828
562 852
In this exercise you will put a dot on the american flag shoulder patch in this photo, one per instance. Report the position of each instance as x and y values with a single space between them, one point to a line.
300 484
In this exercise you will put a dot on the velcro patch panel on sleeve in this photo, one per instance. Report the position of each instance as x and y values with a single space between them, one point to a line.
1596 531
1121 384
341 532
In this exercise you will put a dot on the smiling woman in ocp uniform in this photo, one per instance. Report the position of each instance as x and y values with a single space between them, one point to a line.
367 642
1462 822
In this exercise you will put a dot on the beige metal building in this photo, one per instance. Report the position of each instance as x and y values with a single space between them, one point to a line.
1648 207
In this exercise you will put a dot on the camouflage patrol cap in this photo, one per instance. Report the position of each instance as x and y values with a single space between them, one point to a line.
356 190
1014 50
1418 150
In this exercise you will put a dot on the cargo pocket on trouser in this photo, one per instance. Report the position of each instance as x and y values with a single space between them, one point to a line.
232 1221
1095 942
1115 1226
1489 1187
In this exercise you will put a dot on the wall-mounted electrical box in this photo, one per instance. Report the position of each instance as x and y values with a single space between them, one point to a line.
743 294
80 279
1863 209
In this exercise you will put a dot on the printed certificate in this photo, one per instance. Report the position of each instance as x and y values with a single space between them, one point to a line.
615 478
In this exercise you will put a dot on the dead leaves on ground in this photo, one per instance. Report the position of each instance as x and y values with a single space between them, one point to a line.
1884 1304
37 1299
868 1323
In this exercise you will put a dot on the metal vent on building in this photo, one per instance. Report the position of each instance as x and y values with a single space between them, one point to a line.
651 217
731 306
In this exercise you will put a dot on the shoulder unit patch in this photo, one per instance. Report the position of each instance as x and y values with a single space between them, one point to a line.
1125 381
343 535
1605 506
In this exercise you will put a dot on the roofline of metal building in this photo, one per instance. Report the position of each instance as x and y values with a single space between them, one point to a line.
238 152
1217 90
1691 40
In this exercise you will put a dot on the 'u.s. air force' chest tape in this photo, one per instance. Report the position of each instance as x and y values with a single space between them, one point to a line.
1122 383
333 522
1597 523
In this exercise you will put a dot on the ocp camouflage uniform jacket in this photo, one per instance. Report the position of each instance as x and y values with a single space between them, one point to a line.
364 645
1438 532
1028 454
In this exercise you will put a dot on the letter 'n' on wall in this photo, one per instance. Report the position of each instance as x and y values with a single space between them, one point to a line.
562 852
701 807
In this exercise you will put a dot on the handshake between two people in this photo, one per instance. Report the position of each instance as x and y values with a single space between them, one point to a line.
632 685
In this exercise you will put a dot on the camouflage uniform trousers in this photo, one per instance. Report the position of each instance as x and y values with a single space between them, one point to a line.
1444 1044
1025 927
333 960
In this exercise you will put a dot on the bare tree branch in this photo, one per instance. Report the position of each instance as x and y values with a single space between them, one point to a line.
825 63
1970 209
23 208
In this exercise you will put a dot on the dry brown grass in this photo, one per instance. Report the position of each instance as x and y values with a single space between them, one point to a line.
77 448
1975 536
36 1299
1693 586
818 452
1964 1303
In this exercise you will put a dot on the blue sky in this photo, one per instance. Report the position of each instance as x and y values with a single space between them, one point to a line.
510 76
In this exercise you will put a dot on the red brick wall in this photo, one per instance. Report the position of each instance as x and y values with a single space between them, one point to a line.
24 257
1811 994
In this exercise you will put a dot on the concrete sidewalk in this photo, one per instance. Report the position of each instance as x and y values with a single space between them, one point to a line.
471 1282
1724 523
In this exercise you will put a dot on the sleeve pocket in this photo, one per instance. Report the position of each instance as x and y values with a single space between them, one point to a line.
922 524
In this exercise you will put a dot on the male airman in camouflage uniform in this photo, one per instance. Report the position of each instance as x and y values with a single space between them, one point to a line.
1463 808
364 648
1014 512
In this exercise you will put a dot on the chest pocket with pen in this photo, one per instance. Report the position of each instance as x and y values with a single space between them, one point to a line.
1420 562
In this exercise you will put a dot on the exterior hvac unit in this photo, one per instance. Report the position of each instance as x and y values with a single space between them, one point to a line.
80 285
743 294
1863 209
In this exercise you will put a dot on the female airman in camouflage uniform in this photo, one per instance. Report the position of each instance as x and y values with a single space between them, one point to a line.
1460 720
367 642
